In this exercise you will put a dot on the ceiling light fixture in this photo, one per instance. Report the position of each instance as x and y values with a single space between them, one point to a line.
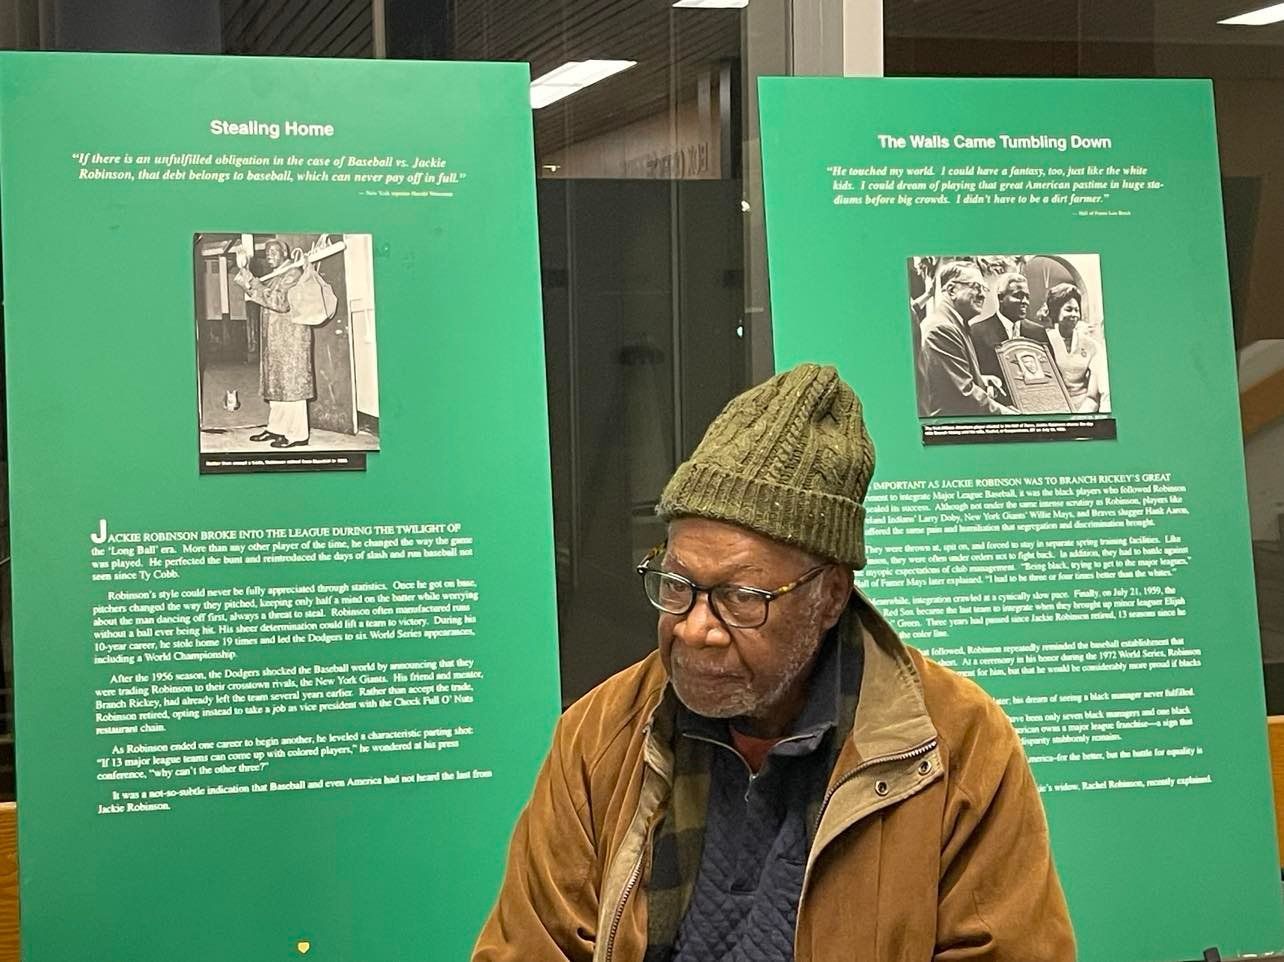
1257 18
713 4
572 76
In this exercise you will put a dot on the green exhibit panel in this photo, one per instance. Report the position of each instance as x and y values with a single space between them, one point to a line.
284 611
1026 283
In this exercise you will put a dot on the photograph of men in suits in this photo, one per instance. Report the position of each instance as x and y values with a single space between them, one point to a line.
954 379
1009 321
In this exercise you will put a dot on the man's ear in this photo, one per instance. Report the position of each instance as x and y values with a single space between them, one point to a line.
838 591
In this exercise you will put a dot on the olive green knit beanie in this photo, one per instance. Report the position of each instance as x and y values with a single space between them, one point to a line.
789 459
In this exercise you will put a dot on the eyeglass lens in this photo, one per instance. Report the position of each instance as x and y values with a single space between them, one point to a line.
736 606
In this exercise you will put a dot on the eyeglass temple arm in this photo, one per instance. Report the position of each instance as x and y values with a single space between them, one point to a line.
650 556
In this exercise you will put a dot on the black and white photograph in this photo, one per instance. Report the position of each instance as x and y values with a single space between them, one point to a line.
287 365
1009 335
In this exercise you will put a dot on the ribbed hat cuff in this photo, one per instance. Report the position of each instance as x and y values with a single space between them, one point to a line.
824 524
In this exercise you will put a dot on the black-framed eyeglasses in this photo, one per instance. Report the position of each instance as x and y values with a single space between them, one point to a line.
736 606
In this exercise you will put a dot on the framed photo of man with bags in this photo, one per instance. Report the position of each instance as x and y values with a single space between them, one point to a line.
287 365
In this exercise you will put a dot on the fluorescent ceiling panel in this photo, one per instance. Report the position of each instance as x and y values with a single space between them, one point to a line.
572 76
1258 18
713 4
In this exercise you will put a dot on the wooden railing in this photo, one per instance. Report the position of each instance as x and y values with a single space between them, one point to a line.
8 882
1275 738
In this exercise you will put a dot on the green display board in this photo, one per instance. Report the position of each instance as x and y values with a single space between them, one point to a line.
1001 268
282 555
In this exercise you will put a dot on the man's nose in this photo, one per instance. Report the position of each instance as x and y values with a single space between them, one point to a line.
701 627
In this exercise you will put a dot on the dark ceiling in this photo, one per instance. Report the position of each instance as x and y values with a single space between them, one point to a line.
675 47
298 28
672 48
1123 21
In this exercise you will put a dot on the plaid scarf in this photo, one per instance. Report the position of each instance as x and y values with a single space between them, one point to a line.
679 839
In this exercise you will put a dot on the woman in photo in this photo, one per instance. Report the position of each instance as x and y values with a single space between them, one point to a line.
1080 356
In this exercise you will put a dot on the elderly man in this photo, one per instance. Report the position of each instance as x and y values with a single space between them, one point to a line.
783 779
1011 320
953 373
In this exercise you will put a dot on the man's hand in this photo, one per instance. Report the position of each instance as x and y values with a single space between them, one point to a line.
993 385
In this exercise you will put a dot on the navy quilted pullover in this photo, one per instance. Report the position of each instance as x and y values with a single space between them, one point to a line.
744 905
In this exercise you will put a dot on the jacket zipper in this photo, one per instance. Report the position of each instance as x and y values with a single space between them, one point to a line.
725 746
906 755
634 876
629 886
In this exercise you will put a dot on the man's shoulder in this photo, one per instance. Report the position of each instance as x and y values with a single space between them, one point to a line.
614 712
289 278
966 717
936 317
937 323
988 325
1034 331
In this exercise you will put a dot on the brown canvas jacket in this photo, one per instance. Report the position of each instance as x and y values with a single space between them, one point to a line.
932 842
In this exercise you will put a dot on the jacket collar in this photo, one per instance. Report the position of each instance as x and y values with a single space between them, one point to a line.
891 716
